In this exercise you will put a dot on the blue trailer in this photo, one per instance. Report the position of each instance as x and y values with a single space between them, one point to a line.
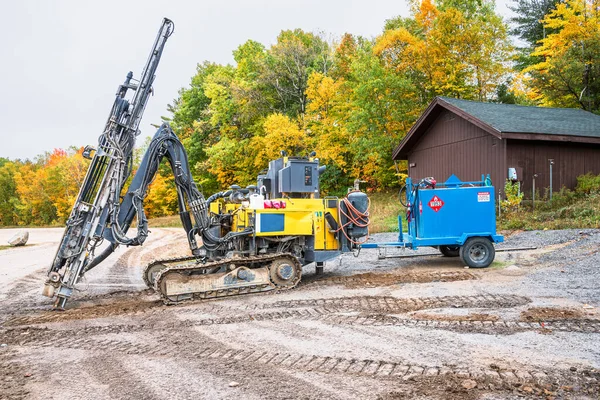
458 218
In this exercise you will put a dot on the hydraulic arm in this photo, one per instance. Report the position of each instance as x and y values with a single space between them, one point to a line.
96 213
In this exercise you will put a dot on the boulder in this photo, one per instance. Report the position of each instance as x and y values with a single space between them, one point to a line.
19 239
513 270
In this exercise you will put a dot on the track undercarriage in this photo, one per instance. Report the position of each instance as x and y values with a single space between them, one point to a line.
187 278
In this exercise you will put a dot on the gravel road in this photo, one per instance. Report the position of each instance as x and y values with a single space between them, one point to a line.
396 328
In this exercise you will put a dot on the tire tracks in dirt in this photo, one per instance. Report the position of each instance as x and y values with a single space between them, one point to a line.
485 327
353 311
373 304
107 358
19 334
31 335
128 268
13 378
25 293
182 348
398 305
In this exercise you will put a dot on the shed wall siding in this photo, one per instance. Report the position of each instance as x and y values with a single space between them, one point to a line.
570 161
452 145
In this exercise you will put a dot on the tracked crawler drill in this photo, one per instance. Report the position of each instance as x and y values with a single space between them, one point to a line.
247 240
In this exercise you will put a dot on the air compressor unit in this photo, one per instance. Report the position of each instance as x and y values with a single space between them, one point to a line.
458 218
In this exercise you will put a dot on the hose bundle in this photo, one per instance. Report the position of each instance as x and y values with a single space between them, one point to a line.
356 217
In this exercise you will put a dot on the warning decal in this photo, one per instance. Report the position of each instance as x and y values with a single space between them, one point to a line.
483 197
436 203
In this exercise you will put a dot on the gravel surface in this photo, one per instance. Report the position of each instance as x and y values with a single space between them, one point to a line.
574 271
395 328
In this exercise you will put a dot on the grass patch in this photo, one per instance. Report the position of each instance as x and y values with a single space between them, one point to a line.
384 212
566 211
498 264
172 221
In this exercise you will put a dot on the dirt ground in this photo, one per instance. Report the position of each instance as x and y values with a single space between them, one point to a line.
368 328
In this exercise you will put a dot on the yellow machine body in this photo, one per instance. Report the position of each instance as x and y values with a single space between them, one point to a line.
300 217
258 238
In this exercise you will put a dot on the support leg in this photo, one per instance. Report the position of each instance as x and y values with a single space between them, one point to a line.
60 303
319 268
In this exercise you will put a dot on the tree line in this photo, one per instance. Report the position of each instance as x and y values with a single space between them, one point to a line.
351 100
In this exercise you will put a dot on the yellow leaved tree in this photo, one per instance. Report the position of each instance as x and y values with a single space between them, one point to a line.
325 119
280 133
568 74
451 48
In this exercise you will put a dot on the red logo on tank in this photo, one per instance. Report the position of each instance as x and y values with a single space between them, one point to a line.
436 203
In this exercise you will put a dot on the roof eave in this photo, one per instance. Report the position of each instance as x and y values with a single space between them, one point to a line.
551 137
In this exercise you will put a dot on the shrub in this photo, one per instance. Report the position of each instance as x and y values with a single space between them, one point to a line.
513 196
588 184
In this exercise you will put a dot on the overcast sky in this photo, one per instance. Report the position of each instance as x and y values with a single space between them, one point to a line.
63 60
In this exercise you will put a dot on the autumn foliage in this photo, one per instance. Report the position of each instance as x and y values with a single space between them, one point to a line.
41 192
568 71
351 100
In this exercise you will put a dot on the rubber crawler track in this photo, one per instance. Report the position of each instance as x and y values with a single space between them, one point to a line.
379 369
233 291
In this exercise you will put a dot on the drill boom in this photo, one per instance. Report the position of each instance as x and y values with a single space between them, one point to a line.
95 214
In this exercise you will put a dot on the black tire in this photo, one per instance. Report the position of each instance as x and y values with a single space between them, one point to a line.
478 252
450 251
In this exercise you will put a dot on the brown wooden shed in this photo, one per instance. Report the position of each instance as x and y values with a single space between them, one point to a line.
469 138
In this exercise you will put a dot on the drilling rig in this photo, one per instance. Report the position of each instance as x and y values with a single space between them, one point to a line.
242 240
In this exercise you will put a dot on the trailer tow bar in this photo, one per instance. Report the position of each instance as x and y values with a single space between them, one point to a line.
383 252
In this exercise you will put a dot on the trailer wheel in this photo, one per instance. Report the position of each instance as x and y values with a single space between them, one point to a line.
450 251
477 252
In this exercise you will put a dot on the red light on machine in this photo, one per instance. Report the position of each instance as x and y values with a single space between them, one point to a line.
436 203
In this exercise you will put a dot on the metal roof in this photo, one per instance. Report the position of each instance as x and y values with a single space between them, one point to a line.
526 119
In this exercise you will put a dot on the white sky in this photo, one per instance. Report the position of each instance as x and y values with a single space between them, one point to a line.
61 61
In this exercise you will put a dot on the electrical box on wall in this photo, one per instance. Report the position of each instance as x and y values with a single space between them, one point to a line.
515 174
